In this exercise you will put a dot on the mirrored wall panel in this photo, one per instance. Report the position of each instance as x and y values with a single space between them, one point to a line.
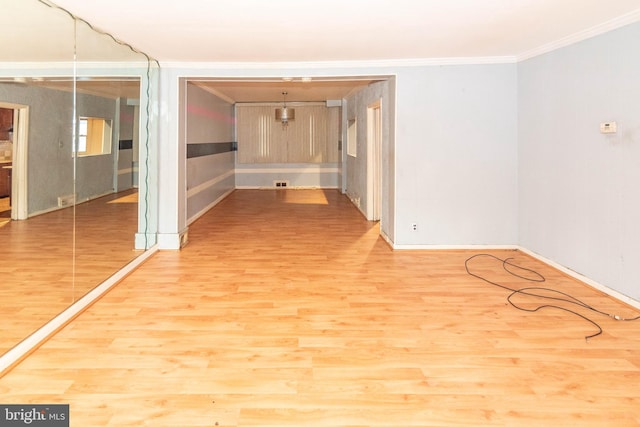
77 123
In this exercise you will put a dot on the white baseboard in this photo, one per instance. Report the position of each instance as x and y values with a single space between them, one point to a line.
602 288
454 247
296 187
209 206
587 281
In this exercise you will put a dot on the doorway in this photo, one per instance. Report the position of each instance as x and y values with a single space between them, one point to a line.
14 163
6 149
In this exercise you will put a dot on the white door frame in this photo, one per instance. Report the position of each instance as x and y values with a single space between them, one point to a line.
19 206
374 160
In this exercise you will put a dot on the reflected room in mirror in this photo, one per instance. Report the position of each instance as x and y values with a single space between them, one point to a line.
74 108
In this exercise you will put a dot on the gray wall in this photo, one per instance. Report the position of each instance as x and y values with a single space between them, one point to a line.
456 155
209 122
51 168
50 171
579 203
504 154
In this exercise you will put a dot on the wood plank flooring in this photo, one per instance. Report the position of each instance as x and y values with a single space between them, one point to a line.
39 275
286 308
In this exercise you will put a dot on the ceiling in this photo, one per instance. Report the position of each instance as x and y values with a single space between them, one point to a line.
279 34
297 90
344 30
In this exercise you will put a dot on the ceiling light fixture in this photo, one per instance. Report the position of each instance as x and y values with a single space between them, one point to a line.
285 114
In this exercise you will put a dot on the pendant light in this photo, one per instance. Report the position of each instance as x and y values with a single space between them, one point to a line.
285 114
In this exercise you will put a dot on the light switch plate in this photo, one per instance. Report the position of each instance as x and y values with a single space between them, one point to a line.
608 127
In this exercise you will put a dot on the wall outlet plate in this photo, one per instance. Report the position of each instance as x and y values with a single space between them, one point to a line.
608 127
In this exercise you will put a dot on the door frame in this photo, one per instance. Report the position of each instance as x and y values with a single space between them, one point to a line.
19 168
374 160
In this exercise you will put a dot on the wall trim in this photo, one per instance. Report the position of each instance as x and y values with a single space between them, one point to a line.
413 62
387 239
172 241
208 184
126 171
311 169
16 354
597 30
602 288
587 281
455 247
297 187
195 150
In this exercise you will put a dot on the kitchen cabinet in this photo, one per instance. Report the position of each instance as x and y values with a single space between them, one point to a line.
5 179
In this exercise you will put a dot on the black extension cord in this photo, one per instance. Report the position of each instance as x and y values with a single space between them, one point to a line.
534 291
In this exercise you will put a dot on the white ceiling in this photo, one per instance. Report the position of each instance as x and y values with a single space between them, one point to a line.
346 30
305 34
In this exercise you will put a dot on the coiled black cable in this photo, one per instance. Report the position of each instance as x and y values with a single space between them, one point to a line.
536 291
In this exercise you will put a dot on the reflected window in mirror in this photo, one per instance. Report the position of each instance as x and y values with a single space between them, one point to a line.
94 136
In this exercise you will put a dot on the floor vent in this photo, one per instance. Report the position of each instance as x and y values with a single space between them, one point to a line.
65 200
280 184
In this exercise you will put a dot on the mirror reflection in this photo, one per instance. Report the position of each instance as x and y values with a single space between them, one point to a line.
74 108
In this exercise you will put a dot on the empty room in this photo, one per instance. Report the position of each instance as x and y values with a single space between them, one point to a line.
346 213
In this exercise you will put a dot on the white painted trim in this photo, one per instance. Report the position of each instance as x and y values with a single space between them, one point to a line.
413 62
78 202
126 171
311 169
212 91
26 65
171 241
605 27
386 238
209 206
602 288
68 65
20 172
279 104
33 341
208 184
300 187
95 196
455 247
587 281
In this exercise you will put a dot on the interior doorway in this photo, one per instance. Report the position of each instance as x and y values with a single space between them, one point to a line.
15 164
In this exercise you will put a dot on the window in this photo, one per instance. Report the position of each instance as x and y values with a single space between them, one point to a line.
352 141
94 136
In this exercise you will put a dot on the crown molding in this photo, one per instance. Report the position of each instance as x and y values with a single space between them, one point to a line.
597 30
386 63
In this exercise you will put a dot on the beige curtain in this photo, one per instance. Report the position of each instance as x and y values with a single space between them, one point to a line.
311 138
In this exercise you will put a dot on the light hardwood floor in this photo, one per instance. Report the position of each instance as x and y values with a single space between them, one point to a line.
39 275
286 308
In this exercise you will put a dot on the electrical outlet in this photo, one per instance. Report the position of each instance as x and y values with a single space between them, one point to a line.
414 226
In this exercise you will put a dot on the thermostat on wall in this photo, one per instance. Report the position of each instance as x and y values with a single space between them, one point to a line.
608 127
